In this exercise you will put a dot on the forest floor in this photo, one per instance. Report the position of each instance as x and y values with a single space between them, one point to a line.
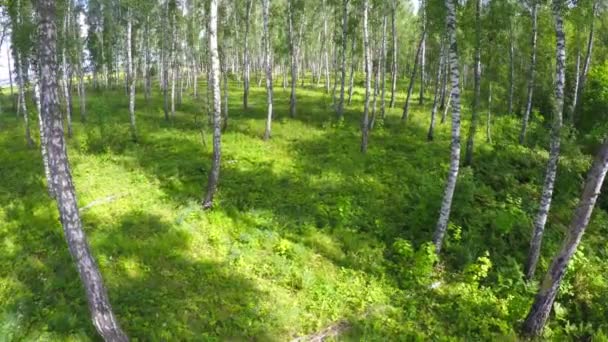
306 231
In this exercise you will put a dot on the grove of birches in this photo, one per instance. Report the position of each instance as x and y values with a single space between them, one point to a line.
303 170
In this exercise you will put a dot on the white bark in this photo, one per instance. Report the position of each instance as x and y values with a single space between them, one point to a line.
446 203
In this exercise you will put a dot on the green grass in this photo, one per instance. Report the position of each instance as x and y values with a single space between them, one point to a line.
306 230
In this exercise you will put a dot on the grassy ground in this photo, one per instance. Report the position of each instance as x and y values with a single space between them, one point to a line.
306 231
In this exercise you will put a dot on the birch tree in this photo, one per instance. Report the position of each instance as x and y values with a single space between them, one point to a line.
468 159
99 305
368 76
446 203
268 68
531 74
214 173
543 302
554 148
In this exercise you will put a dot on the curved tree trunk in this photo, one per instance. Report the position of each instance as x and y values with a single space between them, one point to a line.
446 203
551 172
214 173
99 304
526 117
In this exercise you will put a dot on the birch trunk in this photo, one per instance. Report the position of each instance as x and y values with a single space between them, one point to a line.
294 62
511 69
268 66
394 59
246 63
543 302
550 174
526 117
430 133
19 66
325 50
586 65
99 305
130 75
406 106
352 71
422 53
446 203
365 121
489 119
468 156
214 173
577 78
343 62
383 70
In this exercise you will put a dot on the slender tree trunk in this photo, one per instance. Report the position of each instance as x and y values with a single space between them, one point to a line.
343 62
130 75
294 61
82 91
587 64
99 304
246 63
383 69
165 66
352 71
368 76
526 117
394 59
406 106
468 156
437 94
489 119
444 85
447 107
511 69
550 174
422 53
376 76
541 308
576 83
446 203
325 50
10 72
147 62
174 66
268 66
22 105
214 173
225 116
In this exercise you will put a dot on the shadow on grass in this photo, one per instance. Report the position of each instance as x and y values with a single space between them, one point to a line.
157 290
